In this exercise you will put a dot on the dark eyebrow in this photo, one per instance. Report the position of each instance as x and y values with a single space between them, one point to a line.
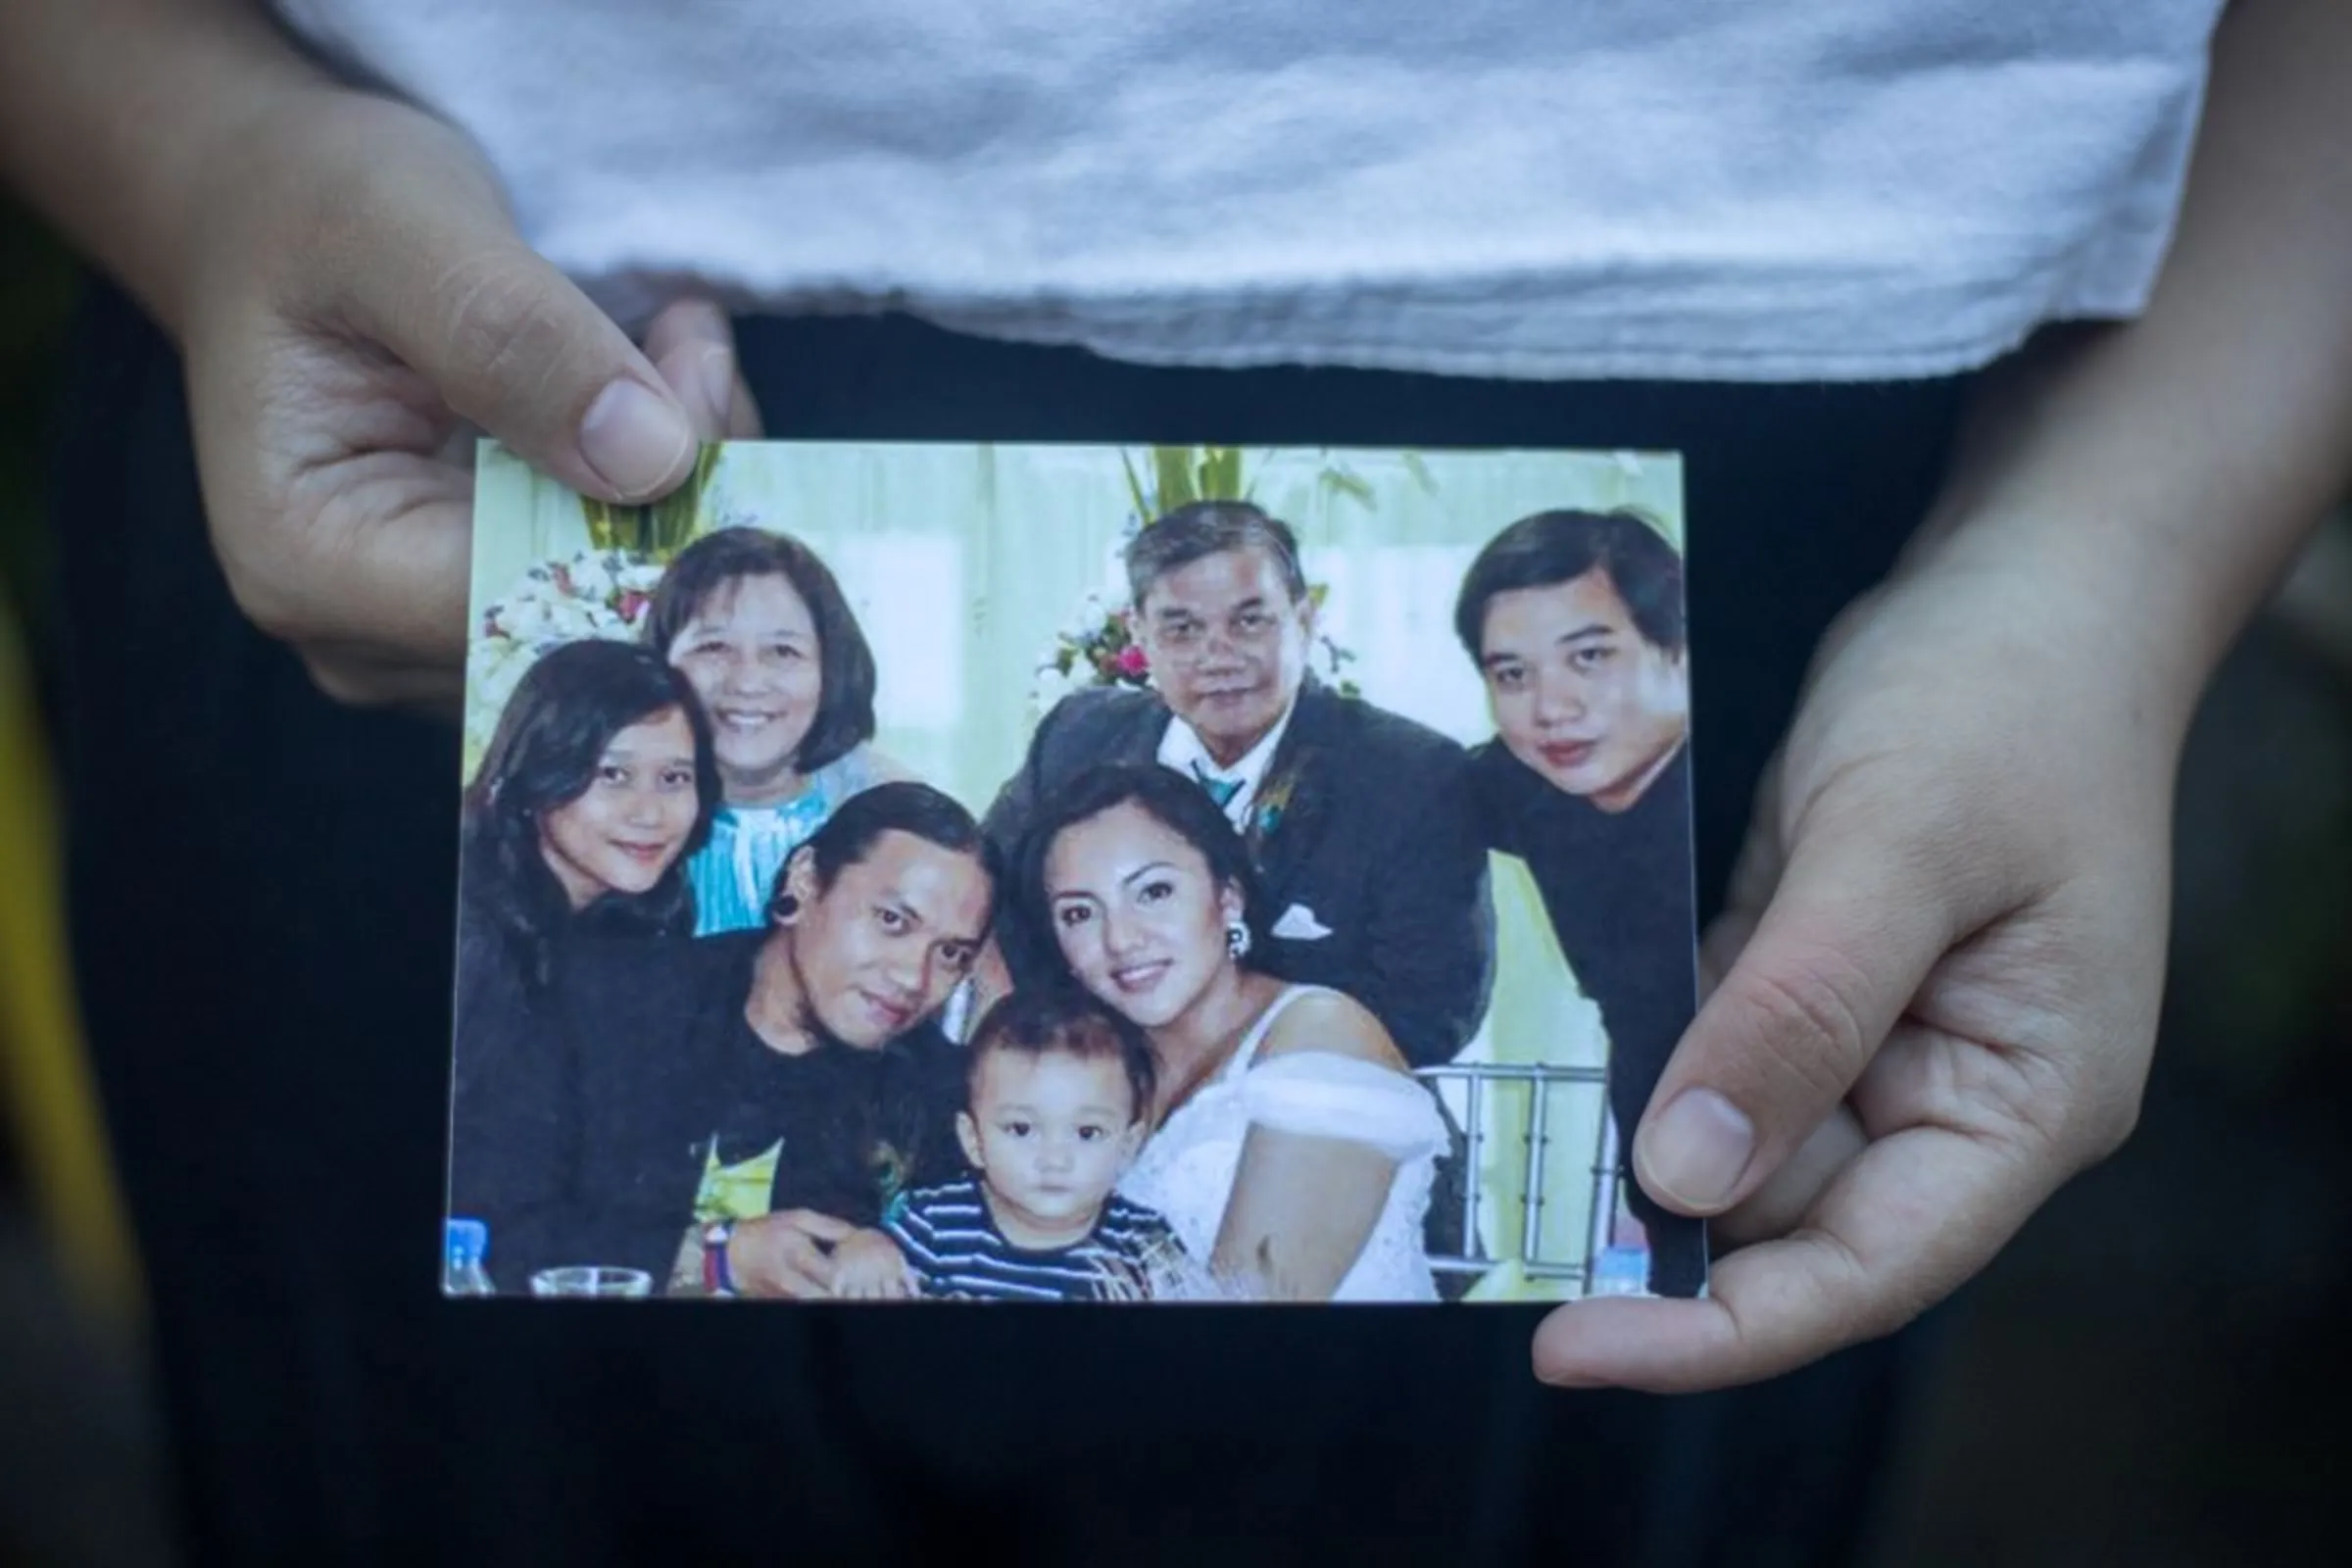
1138 874
1597 629
1506 658
708 626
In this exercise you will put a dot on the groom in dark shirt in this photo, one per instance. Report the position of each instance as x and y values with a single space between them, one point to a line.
1359 822
1575 620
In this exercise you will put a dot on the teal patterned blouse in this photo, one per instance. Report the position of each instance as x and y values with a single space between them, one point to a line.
734 872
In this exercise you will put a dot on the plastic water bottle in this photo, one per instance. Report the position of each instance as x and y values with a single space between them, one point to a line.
1621 1271
463 1242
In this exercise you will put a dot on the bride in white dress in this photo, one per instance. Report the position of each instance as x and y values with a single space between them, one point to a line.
1292 1154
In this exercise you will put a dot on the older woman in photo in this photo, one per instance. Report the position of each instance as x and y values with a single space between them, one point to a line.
758 625
1292 1149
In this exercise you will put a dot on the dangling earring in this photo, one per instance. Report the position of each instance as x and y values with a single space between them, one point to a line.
1237 938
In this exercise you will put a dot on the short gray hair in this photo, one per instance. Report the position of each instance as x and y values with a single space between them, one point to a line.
1205 528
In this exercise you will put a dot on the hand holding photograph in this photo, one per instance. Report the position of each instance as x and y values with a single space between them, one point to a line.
1069 874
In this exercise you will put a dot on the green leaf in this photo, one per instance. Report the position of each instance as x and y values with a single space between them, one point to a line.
1134 489
1174 468
1221 474
1419 470
609 526
672 522
1339 480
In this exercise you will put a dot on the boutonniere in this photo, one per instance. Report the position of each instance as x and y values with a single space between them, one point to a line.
1272 801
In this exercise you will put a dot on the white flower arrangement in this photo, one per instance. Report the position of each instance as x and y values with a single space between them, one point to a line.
1098 648
597 593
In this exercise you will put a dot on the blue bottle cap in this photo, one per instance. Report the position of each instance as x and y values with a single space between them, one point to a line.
465 1241
1621 1271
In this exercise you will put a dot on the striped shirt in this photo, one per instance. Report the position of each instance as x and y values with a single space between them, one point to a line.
954 1245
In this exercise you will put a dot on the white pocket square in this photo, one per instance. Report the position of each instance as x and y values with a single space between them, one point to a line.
1298 924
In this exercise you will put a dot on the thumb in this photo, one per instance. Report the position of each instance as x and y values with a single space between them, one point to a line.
513 346
1849 932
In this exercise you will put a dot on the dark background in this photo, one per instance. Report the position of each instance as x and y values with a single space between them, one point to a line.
2149 1374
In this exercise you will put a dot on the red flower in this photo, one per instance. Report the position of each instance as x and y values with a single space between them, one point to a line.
1132 661
631 603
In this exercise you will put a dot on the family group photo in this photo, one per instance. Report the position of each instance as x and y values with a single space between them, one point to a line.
959 872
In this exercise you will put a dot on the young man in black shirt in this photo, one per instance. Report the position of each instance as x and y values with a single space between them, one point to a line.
1575 620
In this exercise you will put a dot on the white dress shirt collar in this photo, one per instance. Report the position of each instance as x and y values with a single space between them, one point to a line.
1182 750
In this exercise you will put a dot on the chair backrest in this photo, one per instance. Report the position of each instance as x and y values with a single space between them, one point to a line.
1526 1102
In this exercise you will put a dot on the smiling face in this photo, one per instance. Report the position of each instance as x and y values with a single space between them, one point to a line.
1139 918
1227 646
1049 1132
752 655
1579 694
623 832
878 951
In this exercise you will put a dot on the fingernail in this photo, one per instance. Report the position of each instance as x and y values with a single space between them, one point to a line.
717 377
1572 1380
1696 1151
633 439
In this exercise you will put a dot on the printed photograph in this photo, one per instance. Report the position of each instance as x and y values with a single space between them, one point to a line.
1074 873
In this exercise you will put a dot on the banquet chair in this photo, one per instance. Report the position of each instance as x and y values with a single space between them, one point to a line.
1482 1097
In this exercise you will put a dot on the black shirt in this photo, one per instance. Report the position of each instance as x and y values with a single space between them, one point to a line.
582 1119
1617 889
852 1128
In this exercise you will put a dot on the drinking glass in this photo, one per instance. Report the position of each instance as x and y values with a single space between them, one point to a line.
592 1280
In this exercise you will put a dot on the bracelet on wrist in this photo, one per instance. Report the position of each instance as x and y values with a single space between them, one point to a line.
717 1278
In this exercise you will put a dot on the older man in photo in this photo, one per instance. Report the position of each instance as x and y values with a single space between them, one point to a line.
1358 822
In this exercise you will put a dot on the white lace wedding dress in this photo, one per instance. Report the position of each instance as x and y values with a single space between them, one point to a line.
1187 1169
